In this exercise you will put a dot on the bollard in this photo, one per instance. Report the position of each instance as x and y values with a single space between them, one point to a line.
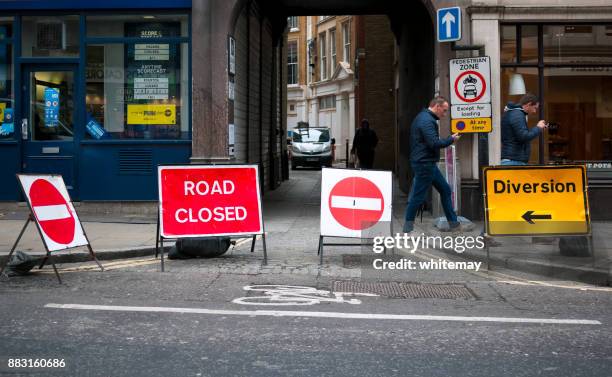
347 153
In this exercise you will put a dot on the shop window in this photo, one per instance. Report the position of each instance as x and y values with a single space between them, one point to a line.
137 90
115 25
578 44
50 36
508 44
7 124
6 27
529 44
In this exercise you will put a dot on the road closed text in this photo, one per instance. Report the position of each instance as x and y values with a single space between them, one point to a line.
205 214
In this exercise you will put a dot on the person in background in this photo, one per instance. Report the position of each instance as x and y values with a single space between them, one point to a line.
516 136
364 144
425 145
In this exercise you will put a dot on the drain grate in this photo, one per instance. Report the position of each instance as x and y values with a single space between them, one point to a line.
404 290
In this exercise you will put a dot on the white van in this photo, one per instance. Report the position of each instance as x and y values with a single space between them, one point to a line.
311 146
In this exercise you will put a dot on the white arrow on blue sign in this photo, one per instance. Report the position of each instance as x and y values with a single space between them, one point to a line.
449 24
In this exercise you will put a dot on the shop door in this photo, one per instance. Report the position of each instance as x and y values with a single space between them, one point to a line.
48 119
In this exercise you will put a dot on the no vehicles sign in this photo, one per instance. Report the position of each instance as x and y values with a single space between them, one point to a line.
53 211
353 201
200 201
536 200
470 81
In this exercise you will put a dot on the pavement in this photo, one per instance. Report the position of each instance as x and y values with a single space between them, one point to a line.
291 217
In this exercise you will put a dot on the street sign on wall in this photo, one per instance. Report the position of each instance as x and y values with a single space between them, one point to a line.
353 201
536 200
200 201
53 211
449 24
470 81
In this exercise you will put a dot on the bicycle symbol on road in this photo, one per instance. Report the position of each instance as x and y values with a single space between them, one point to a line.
285 295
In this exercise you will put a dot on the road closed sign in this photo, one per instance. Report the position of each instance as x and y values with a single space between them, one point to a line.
201 201
536 200
53 211
354 201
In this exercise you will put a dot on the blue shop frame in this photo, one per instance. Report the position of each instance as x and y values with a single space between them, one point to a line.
99 168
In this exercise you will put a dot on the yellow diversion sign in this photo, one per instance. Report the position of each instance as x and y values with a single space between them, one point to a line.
536 200
151 114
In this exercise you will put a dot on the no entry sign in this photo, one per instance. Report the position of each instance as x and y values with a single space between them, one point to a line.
200 201
353 201
53 211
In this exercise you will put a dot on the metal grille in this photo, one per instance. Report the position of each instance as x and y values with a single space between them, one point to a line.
135 161
404 290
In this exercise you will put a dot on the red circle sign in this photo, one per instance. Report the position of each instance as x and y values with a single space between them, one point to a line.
52 212
356 203
464 96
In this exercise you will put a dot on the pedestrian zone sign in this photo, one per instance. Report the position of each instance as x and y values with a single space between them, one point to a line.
470 81
52 210
202 201
354 201
536 200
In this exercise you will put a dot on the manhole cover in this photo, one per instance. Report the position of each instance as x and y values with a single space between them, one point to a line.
404 290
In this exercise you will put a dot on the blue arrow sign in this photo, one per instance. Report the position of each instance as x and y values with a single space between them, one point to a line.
449 24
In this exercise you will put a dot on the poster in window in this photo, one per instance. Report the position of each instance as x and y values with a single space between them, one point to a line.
153 80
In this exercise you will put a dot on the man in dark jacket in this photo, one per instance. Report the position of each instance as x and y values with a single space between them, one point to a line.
364 143
425 145
516 136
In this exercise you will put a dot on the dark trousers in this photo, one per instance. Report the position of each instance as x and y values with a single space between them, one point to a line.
427 174
366 159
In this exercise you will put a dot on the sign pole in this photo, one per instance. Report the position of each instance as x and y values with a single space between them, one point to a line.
161 240
15 244
157 234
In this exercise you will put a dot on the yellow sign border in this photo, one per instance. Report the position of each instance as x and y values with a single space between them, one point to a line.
537 167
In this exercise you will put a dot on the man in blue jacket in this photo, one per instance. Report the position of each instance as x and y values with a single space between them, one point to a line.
425 145
516 136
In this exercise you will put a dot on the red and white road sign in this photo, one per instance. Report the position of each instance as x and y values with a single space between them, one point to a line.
201 201
353 201
470 80
53 211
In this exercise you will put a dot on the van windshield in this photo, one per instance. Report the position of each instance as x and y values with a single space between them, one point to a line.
311 135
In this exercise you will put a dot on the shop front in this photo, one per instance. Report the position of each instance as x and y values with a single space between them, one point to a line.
99 96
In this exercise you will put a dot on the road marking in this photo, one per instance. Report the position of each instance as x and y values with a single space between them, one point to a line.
289 295
350 202
107 266
283 313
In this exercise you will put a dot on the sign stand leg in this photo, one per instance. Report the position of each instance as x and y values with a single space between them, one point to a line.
263 238
157 235
8 259
488 259
253 243
55 269
93 256
161 240
320 250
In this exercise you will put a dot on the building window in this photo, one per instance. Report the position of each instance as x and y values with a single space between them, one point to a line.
293 23
55 36
323 53
7 124
292 63
332 49
346 40
327 102
572 73
138 90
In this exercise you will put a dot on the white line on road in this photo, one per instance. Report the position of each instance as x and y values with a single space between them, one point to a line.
286 313
349 202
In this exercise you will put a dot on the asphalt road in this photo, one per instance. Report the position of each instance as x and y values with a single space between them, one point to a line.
136 321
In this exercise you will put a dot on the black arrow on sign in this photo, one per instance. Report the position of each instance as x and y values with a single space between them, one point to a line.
529 217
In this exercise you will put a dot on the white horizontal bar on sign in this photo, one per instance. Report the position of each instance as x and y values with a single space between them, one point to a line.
350 202
54 212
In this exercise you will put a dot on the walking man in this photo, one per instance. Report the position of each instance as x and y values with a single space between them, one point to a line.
364 143
516 136
425 145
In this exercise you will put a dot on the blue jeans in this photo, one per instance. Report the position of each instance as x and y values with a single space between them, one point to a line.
427 174
506 162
